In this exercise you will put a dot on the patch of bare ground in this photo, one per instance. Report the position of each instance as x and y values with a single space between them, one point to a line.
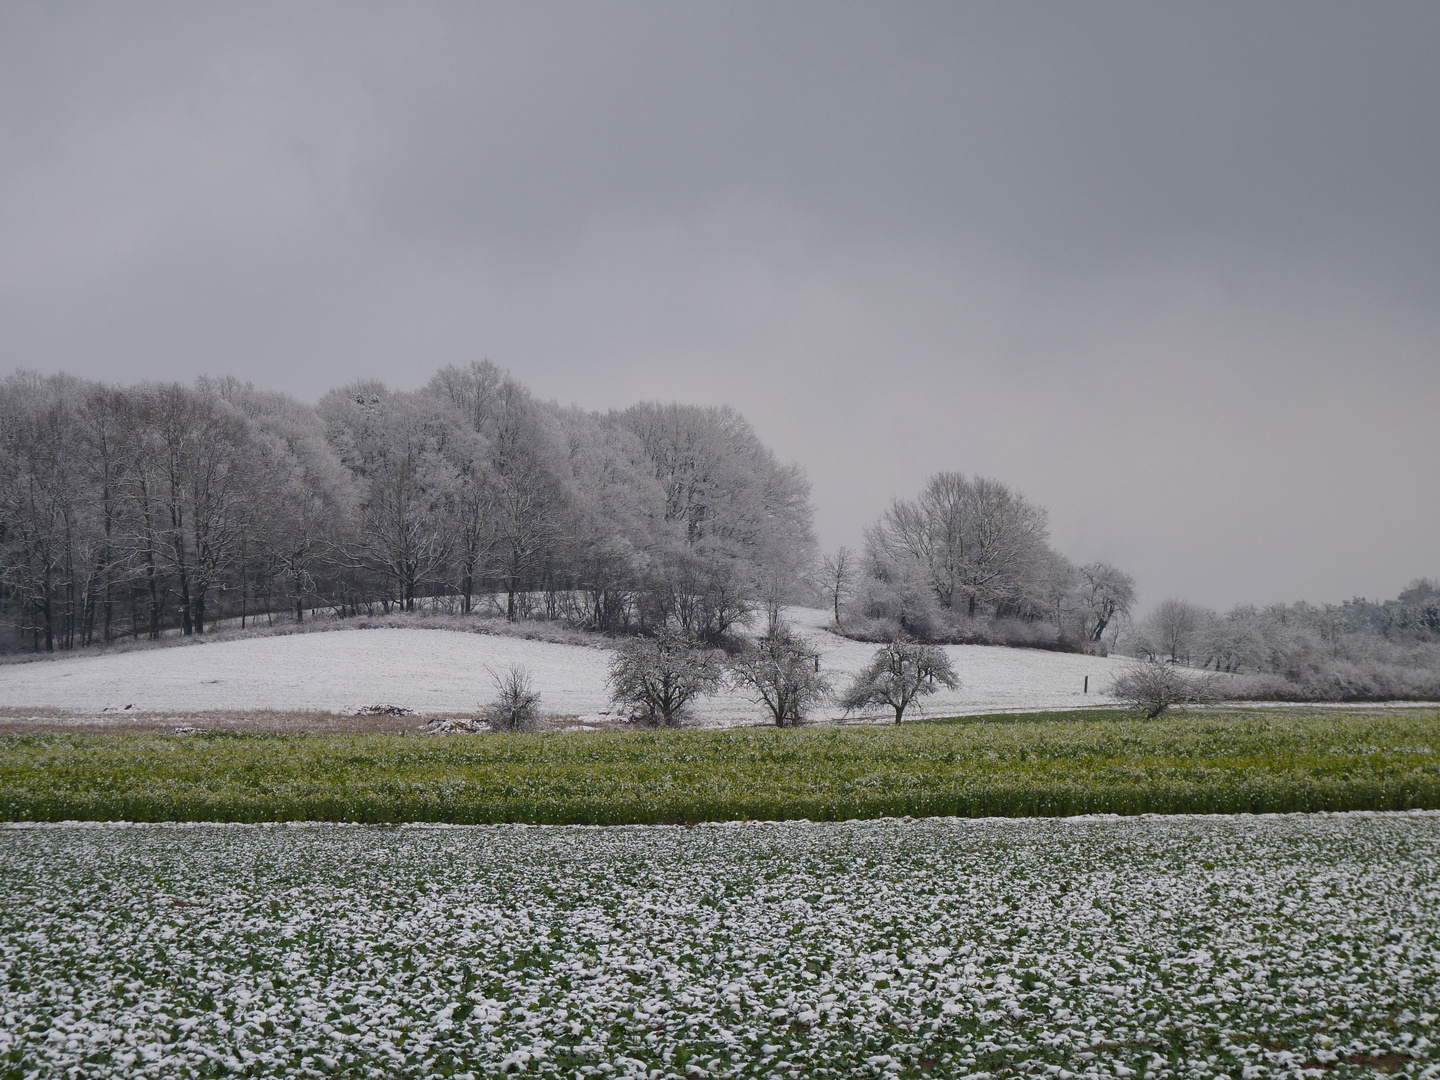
377 719
1385 1063
31 721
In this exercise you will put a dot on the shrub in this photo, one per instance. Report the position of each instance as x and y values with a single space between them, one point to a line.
516 705
1152 687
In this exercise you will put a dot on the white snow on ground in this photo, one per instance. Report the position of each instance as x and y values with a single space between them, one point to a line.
434 671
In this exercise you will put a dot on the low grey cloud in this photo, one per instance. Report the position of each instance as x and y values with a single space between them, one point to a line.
1171 271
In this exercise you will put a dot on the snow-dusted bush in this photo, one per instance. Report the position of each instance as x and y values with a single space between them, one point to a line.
1152 687
1318 679
516 705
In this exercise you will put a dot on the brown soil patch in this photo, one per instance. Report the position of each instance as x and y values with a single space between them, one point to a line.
1382 1062
35 721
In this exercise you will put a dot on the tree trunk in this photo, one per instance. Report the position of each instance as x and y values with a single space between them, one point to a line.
49 611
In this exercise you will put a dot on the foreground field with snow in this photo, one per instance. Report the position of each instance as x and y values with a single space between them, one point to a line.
1242 946
442 671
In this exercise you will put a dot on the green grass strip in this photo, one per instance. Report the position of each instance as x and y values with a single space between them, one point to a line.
1008 766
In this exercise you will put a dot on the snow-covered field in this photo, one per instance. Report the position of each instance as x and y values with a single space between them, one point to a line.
1093 947
441 671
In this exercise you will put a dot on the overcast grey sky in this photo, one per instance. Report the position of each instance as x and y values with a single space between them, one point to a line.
1172 271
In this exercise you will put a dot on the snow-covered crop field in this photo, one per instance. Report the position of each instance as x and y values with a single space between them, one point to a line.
1193 946
440 671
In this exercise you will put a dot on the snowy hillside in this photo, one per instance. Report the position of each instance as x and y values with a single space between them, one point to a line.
442 671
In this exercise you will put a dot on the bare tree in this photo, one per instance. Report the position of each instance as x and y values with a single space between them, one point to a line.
1151 687
1173 629
1007 542
661 675
1105 592
898 674
41 505
202 459
783 673
975 539
837 573
516 704
393 444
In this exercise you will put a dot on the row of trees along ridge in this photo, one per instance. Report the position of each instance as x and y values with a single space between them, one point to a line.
131 511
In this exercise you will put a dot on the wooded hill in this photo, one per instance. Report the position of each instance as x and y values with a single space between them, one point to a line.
129 511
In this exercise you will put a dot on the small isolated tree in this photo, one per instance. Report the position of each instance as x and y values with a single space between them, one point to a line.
898 674
516 704
1151 687
837 578
661 675
783 674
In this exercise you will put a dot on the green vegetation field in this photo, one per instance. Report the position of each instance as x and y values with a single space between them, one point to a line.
1033 765
1148 948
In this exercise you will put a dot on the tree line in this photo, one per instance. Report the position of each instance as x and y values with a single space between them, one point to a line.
1358 650
130 511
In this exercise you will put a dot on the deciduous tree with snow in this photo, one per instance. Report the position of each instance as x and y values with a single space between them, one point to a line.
837 578
1173 629
1105 593
663 674
897 675
782 673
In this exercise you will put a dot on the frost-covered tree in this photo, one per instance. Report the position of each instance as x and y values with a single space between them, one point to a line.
394 444
202 457
782 673
897 675
521 501
897 590
837 578
147 508
743 520
977 542
618 527
305 500
41 505
1151 687
662 674
1173 629
1105 592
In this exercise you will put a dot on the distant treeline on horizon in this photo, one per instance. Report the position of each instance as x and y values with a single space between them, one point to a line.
130 511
